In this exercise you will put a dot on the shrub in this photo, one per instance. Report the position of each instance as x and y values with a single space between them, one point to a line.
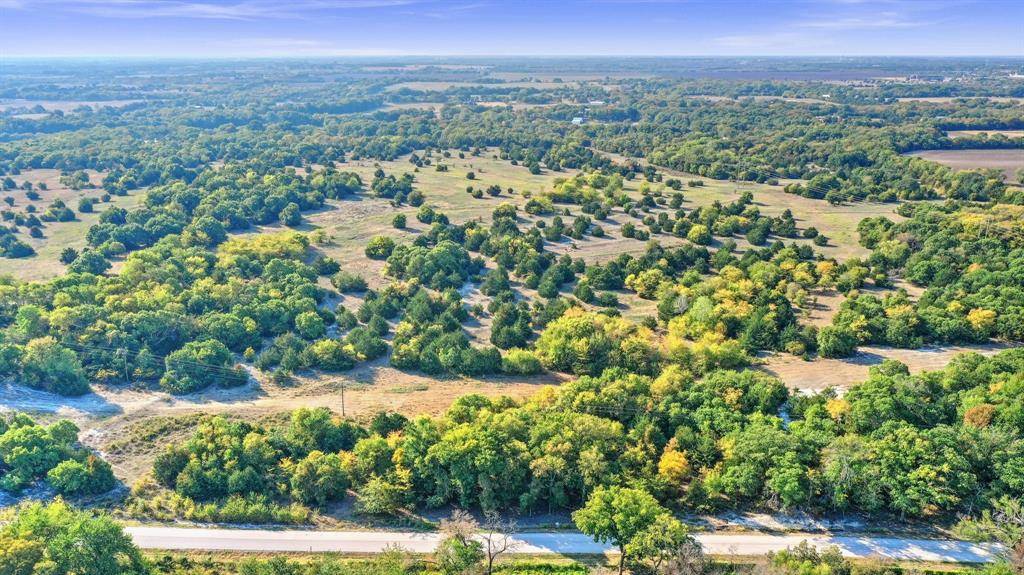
348 282
836 341
380 247
73 478
521 362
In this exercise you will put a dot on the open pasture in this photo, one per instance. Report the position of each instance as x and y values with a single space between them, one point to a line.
45 264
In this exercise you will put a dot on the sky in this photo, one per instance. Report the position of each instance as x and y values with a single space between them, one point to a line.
297 28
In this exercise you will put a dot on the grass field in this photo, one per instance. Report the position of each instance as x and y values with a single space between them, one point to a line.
350 223
1009 161
58 235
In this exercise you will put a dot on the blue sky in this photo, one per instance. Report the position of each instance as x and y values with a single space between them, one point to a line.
260 28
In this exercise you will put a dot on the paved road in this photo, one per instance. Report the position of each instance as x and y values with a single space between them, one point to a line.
176 538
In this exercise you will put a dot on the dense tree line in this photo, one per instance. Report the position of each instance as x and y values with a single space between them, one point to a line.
696 442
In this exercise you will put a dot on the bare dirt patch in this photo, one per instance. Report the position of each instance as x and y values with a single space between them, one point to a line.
821 373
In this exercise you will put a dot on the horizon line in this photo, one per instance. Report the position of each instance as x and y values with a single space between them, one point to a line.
485 56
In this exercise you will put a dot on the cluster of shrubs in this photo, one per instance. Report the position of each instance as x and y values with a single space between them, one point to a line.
30 452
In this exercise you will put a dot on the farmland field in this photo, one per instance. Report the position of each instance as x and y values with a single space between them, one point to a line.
1008 161
964 133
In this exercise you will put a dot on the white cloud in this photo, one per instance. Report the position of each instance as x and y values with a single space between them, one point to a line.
770 41
236 10
862 23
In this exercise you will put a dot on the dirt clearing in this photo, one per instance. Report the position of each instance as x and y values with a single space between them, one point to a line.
821 373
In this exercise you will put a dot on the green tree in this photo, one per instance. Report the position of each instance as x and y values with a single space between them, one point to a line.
379 247
64 541
836 341
91 477
319 478
620 515
291 215
310 325
198 365
47 365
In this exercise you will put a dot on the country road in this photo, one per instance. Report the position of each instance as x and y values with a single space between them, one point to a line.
175 538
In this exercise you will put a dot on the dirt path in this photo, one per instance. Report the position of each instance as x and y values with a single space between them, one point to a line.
366 390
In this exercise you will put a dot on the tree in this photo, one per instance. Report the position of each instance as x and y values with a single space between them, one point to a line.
498 537
91 477
619 515
836 341
60 540
310 325
68 255
47 365
319 478
380 496
380 247
665 543
198 365
699 234
290 215
28 451
1004 523
89 261
458 552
